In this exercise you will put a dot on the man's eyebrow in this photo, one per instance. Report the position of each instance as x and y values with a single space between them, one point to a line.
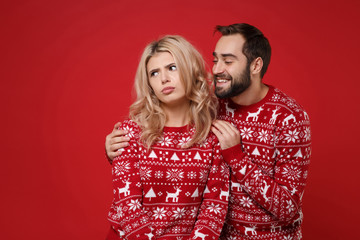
224 55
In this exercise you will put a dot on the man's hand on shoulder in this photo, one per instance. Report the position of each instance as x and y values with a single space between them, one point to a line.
115 142
227 134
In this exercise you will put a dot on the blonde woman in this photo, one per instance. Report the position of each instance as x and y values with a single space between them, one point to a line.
171 183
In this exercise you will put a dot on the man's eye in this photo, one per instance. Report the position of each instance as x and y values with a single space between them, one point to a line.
172 68
228 62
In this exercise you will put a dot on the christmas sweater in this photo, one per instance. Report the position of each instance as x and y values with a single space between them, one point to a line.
268 169
169 192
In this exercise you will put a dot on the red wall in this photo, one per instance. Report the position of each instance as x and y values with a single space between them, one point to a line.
66 75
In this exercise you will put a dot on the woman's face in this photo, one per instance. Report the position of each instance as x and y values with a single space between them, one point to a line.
164 78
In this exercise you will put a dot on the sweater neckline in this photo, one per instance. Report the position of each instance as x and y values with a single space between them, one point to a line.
255 105
184 128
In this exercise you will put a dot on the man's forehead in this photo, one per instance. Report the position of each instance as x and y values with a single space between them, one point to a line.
231 44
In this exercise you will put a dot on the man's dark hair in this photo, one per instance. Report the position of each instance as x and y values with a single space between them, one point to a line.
256 44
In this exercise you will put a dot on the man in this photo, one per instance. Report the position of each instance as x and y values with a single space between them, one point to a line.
269 154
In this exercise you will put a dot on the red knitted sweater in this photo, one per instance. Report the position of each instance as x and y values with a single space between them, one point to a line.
169 192
269 168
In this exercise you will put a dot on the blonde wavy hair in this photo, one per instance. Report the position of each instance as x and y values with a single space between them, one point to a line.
146 110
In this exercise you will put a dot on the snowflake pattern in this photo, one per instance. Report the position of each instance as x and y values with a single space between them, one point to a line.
135 225
134 205
214 208
246 201
179 213
203 176
159 213
130 130
176 229
145 173
159 231
184 140
263 135
119 212
291 136
120 167
166 141
191 175
214 169
246 133
159 174
174 174
194 212
307 133
247 187
292 172
212 225
204 144
224 170
290 206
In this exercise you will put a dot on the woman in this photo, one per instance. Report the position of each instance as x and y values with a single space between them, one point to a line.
171 183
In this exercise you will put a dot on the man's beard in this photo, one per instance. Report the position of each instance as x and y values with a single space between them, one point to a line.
238 84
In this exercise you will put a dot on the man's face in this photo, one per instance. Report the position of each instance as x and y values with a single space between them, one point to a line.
231 71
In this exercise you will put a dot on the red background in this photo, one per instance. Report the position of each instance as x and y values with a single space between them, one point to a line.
67 69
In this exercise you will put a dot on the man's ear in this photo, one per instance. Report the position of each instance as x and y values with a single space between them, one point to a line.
256 66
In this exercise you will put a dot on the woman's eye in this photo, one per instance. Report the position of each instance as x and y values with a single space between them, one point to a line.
153 74
172 68
215 61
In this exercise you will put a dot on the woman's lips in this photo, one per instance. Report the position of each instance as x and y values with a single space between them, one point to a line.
167 90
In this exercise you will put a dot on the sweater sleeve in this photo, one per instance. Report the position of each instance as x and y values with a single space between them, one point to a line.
213 209
281 193
126 215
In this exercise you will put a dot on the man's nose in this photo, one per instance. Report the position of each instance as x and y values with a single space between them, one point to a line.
218 68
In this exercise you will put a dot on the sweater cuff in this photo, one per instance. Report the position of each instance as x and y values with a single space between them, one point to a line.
233 153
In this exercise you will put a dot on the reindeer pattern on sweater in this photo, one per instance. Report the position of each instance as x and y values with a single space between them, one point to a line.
269 169
169 192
